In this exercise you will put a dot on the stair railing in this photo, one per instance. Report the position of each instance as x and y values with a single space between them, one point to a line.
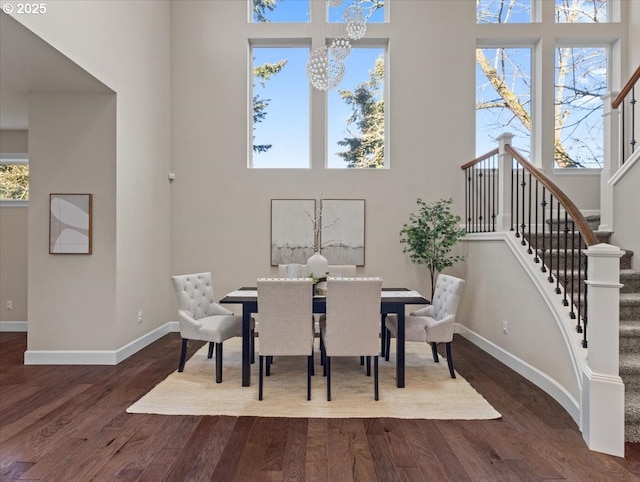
504 191
626 100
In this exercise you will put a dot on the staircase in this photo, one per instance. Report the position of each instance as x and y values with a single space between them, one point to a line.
629 327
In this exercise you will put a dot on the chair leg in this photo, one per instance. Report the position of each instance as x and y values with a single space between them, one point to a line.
211 345
375 378
323 358
253 346
218 362
434 350
313 365
309 373
383 332
183 355
368 366
327 367
388 345
260 380
450 360
268 370
361 360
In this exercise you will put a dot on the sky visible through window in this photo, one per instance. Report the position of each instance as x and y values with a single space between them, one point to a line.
286 126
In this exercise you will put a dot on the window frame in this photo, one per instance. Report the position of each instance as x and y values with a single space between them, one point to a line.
14 159
315 33
543 35
266 43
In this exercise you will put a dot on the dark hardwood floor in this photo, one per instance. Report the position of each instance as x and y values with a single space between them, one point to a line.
68 423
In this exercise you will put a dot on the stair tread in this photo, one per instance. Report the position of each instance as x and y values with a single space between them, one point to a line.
629 297
629 324
629 362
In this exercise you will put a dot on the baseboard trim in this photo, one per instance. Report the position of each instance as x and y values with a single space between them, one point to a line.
98 357
535 376
17 326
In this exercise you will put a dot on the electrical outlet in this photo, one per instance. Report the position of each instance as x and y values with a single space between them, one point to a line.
9 305
139 316
505 327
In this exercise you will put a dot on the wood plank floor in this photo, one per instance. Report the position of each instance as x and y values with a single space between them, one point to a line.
68 423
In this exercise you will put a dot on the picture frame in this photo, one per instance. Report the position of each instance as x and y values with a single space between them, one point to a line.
70 223
343 231
291 230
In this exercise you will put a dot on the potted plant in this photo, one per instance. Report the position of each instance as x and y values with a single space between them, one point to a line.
430 235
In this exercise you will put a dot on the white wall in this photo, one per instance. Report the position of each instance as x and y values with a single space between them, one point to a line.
191 117
634 36
126 45
72 298
13 241
221 209
493 294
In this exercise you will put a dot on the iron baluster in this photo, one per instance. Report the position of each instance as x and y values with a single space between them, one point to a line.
558 249
550 277
565 302
572 313
537 259
543 268
580 291
586 294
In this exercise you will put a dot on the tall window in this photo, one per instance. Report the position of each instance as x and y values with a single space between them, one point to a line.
503 97
581 11
283 11
356 117
500 11
517 94
580 80
14 177
282 124
280 108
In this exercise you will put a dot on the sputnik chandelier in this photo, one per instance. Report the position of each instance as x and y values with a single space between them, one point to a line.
325 68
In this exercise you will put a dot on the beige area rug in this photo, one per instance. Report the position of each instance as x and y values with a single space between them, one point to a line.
430 392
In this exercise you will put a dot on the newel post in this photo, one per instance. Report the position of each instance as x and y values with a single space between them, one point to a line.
505 161
610 160
602 404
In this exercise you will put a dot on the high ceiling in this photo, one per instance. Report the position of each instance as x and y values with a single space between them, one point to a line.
29 64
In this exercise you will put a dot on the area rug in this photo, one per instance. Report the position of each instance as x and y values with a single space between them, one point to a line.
430 393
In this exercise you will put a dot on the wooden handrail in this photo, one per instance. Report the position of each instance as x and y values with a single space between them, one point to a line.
570 207
627 87
480 159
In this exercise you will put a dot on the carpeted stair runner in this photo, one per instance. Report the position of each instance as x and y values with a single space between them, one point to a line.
629 327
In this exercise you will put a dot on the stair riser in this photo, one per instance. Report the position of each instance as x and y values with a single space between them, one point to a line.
552 239
632 432
629 311
551 259
630 283
594 224
629 344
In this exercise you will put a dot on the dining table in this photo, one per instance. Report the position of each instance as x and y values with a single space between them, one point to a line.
392 300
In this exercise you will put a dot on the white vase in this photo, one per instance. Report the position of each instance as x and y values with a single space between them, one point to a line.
317 265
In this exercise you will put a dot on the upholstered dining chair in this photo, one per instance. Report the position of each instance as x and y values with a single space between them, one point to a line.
285 306
434 323
351 326
201 318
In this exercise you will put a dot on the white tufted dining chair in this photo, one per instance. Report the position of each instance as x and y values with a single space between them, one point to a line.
352 323
285 306
201 318
434 323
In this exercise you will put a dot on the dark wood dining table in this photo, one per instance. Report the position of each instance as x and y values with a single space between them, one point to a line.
393 300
